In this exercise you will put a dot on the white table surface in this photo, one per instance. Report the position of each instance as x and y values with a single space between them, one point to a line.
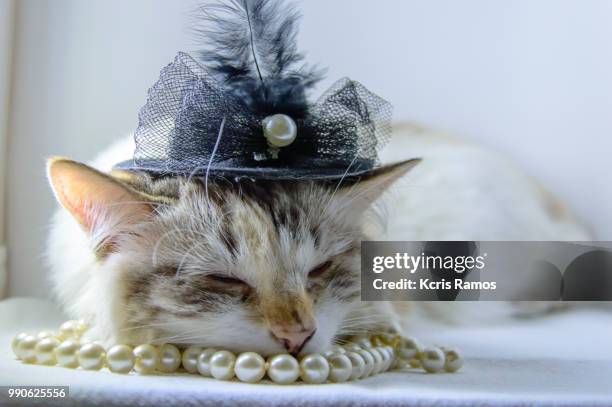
563 359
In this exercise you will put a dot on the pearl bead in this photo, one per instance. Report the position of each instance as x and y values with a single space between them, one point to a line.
314 369
283 369
146 358
335 349
377 341
169 358
384 358
387 357
453 360
69 329
408 349
81 327
91 356
369 362
204 361
190 358
391 356
387 338
250 367
222 365
378 360
432 360
363 342
120 359
15 342
352 347
45 334
358 365
280 130
45 351
340 368
26 349
66 354
399 364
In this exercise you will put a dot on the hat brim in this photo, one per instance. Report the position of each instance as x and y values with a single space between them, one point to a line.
159 169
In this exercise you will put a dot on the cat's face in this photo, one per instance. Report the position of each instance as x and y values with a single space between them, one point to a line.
261 266
257 266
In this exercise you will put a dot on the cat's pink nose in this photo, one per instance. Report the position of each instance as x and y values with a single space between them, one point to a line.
293 338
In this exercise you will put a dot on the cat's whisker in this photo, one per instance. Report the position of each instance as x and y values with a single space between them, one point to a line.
358 316
182 262
185 337
367 318
155 325
354 331
340 182
346 330
158 242
212 156
340 338
363 323
181 335
358 321
118 204
371 313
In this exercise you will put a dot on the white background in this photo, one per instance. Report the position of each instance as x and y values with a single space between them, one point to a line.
532 79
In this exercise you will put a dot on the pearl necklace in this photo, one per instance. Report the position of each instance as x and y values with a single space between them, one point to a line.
360 358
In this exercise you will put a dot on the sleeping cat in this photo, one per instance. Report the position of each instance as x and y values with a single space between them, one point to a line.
271 266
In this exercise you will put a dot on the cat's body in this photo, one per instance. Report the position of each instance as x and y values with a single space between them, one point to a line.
461 191
273 238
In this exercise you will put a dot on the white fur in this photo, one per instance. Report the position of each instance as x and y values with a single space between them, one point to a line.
461 191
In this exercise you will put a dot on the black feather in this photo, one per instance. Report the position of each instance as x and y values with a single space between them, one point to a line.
250 47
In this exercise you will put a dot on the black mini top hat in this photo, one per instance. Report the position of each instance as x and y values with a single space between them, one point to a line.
240 108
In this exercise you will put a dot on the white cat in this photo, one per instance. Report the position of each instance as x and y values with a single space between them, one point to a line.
102 268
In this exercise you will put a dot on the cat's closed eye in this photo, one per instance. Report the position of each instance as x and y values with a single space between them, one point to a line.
319 270
223 279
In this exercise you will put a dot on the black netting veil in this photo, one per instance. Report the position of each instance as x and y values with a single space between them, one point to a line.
191 124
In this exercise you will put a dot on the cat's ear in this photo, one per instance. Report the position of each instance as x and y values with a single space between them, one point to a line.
92 196
372 185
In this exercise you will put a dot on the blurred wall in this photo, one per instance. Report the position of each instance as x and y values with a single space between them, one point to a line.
7 16
531 79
